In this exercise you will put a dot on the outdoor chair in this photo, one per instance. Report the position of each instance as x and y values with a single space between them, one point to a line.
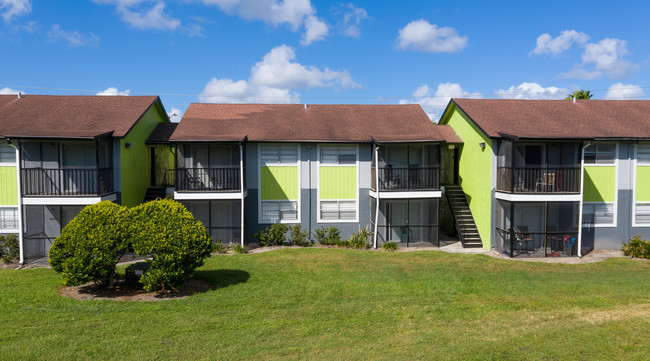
522 238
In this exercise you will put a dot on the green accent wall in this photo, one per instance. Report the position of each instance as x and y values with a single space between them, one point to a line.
136 160
279 183
338 182
474 170
600 184
643 184
8 186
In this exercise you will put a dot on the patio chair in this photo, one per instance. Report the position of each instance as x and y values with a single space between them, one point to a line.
522 238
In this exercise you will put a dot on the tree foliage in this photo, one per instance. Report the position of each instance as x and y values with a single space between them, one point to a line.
580 94
90 246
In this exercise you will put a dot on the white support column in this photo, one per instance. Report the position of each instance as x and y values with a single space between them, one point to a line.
582 182
241 185
374 234
19 194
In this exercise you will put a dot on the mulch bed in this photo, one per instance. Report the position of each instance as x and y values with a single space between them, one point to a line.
123 292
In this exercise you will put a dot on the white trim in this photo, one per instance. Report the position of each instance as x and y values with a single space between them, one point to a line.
616 167
634 202
298 201
537 197
67 201
318 180
607 225
411 195
582 193
18 212
374 234
243 195
208 195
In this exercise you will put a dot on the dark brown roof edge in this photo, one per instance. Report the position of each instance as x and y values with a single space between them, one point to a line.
162 107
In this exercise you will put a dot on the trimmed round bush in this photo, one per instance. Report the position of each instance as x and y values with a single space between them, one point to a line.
90 246
174 241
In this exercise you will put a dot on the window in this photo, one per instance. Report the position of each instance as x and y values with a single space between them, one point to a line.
273 154
279 211
600 154
598 214
643 154
9 218
7 154
642 213
338 154
338 210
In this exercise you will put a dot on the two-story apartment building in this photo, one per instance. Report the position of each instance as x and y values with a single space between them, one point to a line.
242 167
554 177
61 153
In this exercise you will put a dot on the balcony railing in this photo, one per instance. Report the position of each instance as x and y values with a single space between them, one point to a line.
66 182
538 180
409 178
217 179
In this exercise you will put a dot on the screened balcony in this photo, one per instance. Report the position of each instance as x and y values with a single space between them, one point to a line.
75 168
540 229
409 222
208 168
407 167
547 168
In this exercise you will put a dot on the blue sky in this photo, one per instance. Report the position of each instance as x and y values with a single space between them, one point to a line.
301 51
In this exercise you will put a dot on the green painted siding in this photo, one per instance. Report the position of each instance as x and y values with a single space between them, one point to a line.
136 161
475 171
643 184
338 182
8 186
279 182
600 184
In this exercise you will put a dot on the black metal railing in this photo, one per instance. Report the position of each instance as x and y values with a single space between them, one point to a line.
409 178
537 244
218 179
538 180
66 182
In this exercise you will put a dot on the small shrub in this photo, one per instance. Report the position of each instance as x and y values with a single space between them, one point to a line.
299 236
272 235
9 248
239 249
359 239
218 247
330 236
389 246
637 248
176 242
90 246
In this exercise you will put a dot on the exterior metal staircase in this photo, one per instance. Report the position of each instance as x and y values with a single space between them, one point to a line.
154 192
465 226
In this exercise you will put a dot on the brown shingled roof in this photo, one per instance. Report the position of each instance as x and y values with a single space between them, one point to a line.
315 123
559 119
63 116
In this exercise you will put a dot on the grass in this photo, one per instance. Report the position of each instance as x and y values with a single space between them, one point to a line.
346 304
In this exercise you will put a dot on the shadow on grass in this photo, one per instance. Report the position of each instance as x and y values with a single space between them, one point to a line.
223 278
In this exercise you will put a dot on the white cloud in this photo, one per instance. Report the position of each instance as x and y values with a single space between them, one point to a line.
144 17
274 80
294 13
434 104
350 19
73 38
175 115
11 91
624 91
532 91
279 69
11 8
549 45
604 58
422 36
113 91
241 91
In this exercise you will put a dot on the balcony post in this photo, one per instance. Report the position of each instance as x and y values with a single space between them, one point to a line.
97 171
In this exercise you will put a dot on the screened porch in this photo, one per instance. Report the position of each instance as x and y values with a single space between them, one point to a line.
409 222
208 168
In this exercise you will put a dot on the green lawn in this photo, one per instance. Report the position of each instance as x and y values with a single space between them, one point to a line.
346 304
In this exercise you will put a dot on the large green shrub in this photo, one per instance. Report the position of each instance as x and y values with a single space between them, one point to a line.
299 237
9 248
330 236
175 241
90 246
272 235
359 239
637 248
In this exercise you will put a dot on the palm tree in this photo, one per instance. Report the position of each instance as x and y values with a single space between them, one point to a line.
580 94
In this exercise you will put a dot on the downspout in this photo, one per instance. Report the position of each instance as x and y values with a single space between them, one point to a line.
19 193
377 192
582 182
241 185
309 187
